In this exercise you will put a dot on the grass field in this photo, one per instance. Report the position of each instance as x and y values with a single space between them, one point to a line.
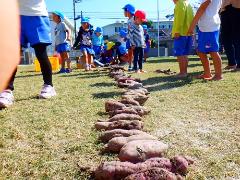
48 139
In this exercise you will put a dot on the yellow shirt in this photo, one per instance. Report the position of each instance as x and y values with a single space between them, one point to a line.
183 16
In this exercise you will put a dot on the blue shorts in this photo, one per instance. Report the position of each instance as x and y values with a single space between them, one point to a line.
87 49
146 50
97 50
208 42
128 44
35 30
63 48
183 45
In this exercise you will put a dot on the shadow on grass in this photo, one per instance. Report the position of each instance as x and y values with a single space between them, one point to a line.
27 98
170 60
103 84
106 95
28 75
85 74
169 82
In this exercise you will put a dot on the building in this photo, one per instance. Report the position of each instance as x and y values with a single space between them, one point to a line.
111 31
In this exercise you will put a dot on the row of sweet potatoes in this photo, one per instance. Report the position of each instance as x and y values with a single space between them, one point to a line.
140 154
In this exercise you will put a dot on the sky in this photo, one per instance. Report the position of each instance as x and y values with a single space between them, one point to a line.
103 12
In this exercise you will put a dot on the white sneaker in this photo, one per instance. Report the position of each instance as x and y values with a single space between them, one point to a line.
6 99
47 92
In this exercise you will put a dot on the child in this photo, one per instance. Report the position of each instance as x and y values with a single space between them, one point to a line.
122 51
208 21
129 11
8 43
85 39
98 42
147 42
137 40
183 16
62 35
35 29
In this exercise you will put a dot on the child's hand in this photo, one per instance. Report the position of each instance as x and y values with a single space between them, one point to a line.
190 31
176 35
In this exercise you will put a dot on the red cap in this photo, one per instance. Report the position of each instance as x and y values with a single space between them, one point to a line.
141 15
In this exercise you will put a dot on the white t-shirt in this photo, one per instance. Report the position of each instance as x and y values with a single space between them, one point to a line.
33 8
210 20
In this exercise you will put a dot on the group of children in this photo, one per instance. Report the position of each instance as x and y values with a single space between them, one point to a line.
35 30
208 20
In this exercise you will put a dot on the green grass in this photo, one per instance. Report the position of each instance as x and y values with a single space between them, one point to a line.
48 139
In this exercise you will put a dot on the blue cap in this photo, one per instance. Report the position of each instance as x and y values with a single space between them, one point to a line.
145 27
130 8
60 14
123 33
85 20
98 30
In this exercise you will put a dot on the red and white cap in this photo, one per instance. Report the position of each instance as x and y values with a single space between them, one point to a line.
141 15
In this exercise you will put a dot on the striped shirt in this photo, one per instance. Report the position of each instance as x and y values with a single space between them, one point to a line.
137 36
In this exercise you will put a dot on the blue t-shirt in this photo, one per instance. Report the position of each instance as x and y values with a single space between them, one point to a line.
60 33
97 40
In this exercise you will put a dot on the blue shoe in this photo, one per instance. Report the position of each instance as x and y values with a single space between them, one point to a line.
68 70
62 71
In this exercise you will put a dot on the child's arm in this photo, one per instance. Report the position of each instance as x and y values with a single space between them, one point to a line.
198 15
179 18
68 34
78 39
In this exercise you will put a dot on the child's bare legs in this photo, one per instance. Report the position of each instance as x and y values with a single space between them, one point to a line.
206 66
217 62
183 64
130 56
90 60
85 60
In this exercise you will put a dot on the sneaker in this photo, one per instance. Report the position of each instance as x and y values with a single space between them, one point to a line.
68 70
6 99
62 71
47 92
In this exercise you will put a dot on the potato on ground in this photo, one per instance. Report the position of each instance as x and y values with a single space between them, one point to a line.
108 135
121 124
116 170
112 105
153 174
122 111
141 150
115 144
125 116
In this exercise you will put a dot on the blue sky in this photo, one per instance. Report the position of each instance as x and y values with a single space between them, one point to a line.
104 12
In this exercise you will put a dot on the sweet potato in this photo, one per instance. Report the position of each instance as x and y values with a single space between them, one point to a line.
128 83
141 150
141 99
129 101
121 124
124 116
116 170
115 144
181 164
124 80
112 105
141 90
108 135
135 86
121 111
140 109
153 174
